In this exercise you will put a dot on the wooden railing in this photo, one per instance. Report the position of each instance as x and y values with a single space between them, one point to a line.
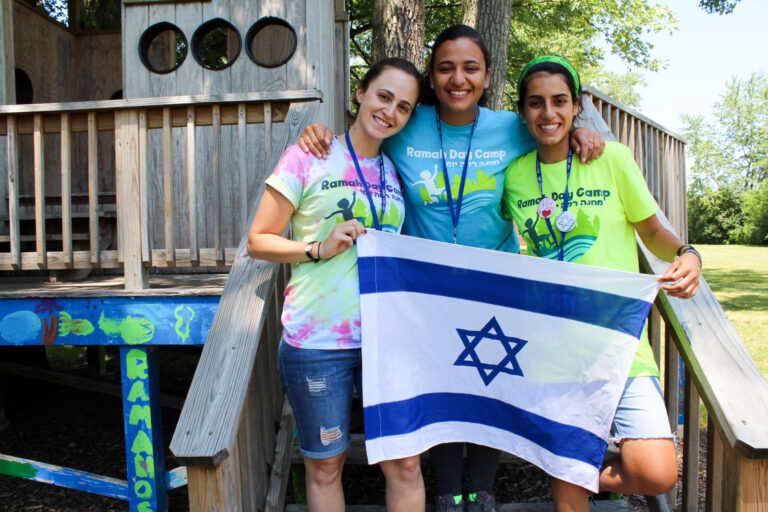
717 367
226 434
182 171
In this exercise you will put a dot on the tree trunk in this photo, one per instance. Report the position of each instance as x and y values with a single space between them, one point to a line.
493 23
469 12
398 30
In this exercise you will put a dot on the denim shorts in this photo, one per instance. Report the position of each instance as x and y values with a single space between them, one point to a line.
319 385
641 413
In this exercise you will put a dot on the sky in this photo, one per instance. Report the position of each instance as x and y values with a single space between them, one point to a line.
703 54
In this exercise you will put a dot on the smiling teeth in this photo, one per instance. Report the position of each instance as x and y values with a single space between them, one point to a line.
381 123
458 93
549 126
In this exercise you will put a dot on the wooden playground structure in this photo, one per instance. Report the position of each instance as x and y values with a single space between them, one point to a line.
130 195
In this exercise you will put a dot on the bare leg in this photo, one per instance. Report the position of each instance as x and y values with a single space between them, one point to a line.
324 492
568 497
405 485
646 466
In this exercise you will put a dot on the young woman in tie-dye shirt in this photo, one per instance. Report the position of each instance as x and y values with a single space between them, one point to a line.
329 203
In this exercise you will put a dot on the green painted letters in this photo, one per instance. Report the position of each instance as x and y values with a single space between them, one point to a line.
142 443
136 364
142 489
145 468
138 392
141 413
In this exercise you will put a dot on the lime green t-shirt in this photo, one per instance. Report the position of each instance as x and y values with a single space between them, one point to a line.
607 196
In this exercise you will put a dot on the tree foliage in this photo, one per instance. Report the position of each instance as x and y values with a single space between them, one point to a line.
718 6
728 171
584 31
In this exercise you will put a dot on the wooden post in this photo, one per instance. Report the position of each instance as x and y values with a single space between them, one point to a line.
654 333
146 235
39 158
128 194
267 138
216 175
671 391
242 145
93 189
194 252
144 447
66 190
691 446
734 482
7 58
13 191
170 245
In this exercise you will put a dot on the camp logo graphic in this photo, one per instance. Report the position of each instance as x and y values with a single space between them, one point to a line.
358 208
576 243
477 192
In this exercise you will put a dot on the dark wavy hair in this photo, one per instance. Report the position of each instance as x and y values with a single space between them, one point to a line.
452 33
378 68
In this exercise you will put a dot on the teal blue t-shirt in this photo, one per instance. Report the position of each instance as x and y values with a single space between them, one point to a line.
499 138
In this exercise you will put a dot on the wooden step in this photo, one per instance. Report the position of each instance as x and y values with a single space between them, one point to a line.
596 506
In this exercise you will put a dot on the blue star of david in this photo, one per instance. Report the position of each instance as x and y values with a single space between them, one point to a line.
491 331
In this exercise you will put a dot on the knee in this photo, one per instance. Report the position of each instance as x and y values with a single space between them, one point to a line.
324 472
658 480
407 469
656 473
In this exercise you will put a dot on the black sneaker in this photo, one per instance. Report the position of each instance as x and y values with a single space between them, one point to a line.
448 503
481 502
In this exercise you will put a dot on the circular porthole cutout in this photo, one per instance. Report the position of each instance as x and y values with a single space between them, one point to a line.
216 44
271 42
162 47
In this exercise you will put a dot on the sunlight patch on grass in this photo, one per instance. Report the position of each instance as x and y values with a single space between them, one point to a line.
738 276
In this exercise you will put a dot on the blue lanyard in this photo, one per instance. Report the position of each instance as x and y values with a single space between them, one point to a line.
382 184
457 213
560 254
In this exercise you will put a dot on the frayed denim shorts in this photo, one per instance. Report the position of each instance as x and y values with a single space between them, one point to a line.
641 413
319 385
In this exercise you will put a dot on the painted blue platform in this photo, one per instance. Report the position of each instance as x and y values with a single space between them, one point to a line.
136 325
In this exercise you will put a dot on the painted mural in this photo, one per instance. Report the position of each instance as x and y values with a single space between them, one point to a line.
107 320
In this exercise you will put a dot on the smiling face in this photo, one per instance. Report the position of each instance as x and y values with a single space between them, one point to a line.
549 109
459 75
385 106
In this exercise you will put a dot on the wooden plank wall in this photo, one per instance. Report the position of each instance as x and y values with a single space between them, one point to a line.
242 165
65 67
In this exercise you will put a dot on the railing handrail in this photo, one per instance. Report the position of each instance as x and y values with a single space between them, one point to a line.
207 428
597 93
162 101
727 378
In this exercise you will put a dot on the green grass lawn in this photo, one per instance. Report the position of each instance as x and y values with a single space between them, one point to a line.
738 275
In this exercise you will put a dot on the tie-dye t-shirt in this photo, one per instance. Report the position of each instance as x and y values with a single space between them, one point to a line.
322 300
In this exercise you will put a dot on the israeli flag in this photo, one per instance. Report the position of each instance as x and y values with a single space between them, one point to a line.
523 354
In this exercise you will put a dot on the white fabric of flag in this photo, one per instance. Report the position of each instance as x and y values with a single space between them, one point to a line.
523 354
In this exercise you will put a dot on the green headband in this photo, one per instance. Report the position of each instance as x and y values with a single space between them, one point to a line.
548 58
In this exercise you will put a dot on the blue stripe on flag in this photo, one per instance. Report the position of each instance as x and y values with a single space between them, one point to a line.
405 416
384 274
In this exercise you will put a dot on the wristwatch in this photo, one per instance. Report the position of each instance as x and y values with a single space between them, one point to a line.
308 251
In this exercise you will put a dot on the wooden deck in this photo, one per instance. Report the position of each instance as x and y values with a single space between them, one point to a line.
113 285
